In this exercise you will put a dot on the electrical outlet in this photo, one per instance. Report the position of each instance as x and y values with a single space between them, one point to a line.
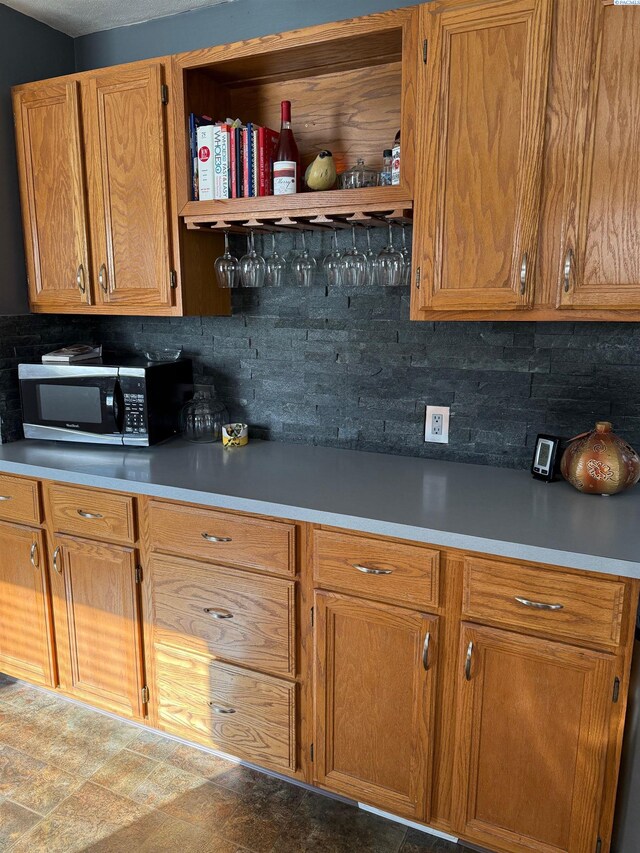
436 427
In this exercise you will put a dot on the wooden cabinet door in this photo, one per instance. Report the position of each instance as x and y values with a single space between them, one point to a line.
52 186
532 740
126 138
480 141
25 635
600 257
374 702
98 628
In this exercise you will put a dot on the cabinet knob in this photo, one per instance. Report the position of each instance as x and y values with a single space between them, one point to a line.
57 567
467 663
102 278
425 651
568 267
34 556
82 284
217 613
523 274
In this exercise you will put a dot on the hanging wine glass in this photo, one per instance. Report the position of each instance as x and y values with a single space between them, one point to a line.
227 267
372 261
354 264
304 266
294 251
252 265
390 264
332 263
276 266
406 257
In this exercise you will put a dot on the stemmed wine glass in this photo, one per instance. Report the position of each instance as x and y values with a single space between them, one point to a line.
332 263
252 265
390 263
304 266
406 257
227 267
372 261
354 264
276 266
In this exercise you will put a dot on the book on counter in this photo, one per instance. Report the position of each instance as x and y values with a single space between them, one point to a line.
73 354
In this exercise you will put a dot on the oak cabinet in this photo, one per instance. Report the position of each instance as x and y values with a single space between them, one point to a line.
533 730
53 189
600 258
98 625
375 693
26 649
481 125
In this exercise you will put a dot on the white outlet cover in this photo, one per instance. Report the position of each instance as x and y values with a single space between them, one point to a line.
443 438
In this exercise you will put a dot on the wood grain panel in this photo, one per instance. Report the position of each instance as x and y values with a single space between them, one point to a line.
128 186
26 649
602 198
102 643
592 608
532 742
481 119
92 513
193 693
245 541
413 571
52 186
19 499
256 615
374 703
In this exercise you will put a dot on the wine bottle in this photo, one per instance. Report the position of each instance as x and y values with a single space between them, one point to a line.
286 165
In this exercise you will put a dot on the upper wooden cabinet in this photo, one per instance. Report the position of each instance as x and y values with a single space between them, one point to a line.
54 204
481 131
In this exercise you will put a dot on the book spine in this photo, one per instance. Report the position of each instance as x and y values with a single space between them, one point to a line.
270 148
249 161
239 163
233 165
193 160
261 159
206 172
254 161
221 161
246 187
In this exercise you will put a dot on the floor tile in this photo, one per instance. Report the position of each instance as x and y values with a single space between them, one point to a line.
166 835
421 842
32 783
163 785
228 774
124 772
14 823
207 805
153 745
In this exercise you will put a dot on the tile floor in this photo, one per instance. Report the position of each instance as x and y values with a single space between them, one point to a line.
72 779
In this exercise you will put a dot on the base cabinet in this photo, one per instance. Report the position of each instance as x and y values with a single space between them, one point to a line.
375 694
532 741
25 640
98 628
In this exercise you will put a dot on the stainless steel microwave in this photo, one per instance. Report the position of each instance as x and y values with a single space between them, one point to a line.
132 402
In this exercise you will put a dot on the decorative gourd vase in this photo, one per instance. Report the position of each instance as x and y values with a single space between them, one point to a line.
600 463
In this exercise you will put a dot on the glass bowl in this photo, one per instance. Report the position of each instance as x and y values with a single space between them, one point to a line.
163 354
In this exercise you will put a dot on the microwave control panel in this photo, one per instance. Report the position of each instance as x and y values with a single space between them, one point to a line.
135 418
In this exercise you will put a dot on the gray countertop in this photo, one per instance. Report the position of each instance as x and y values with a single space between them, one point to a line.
476 507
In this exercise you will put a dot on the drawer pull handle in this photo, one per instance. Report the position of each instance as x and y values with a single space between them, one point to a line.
425 651
467 663
210 538
34 557
6 497
368 571
84 514
56 567
218 614
538 605
218 710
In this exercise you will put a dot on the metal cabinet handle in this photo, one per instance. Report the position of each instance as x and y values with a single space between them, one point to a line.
6 497
523 274
425 651
34 557
218 710
82 284
568 266
467 663
102 278
538 605
368 571
84 514
56 554
210 538
218 614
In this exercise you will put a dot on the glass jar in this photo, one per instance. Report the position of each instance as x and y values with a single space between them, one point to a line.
202 418
359 176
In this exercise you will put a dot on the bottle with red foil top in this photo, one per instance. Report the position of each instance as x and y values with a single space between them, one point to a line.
286 165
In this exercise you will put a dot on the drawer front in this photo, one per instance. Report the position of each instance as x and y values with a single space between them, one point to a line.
572 606
19 499
233 615
376 568
92 513
222 537
243 713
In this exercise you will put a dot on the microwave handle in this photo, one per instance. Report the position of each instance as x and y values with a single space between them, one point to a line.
115 404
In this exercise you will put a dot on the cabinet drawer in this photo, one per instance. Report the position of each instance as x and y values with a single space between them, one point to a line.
92 513
230 614
243 713
222 537
572 606
376 568
19 499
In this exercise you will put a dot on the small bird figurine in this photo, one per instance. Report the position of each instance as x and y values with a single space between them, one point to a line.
321 174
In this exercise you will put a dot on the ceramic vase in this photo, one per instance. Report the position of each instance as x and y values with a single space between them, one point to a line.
600 463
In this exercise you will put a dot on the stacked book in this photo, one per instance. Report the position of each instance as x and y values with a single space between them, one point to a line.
229 159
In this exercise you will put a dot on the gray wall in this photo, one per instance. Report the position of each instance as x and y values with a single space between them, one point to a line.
226 22
29 51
